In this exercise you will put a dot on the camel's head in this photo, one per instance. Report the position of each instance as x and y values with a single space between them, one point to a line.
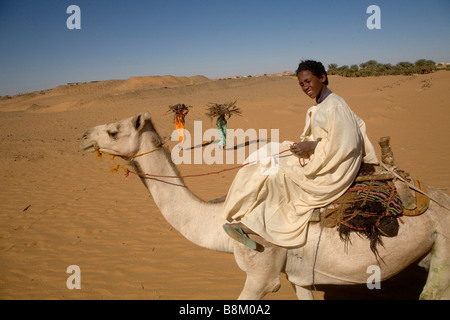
122 138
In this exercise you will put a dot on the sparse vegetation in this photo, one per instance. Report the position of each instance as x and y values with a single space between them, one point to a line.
373 68
426 83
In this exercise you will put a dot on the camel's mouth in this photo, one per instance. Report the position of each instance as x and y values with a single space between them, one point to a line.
92 147
89 149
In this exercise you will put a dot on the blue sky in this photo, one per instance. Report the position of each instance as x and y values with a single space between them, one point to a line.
119 39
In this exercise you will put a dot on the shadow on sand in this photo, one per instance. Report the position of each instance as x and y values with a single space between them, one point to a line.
236 147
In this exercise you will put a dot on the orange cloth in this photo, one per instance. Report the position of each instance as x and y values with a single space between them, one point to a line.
179 124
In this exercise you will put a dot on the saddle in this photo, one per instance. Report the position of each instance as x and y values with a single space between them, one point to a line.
414 203
373 205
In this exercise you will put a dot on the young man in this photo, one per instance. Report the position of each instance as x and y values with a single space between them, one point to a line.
320 169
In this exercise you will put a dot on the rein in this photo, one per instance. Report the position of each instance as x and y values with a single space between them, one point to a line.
128 171
144 153
118 166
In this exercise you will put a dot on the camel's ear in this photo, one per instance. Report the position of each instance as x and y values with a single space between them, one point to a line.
139 121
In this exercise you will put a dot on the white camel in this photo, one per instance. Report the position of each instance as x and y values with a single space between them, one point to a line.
424 238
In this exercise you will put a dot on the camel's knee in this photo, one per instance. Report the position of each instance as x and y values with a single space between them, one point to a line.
257 286
263 268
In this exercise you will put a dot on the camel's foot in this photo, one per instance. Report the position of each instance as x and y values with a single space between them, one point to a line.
219 200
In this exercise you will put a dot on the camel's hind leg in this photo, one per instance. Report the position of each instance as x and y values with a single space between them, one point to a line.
438 281
263 269
303 293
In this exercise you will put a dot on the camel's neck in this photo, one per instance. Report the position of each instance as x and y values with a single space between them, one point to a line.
198 221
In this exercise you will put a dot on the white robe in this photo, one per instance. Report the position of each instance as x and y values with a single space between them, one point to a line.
276 198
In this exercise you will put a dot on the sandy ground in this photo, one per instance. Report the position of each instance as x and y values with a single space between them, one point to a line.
60 206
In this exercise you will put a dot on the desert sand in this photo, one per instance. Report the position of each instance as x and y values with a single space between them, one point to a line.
60 206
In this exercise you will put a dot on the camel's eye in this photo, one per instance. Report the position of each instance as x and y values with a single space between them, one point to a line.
113 134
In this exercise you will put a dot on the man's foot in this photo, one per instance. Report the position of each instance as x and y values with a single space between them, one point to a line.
219 200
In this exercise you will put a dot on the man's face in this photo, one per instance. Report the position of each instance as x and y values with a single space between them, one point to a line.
310 84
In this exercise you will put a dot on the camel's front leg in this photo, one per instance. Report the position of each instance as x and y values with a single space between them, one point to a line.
263 268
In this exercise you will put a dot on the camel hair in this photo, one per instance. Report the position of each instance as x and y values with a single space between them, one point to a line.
424 239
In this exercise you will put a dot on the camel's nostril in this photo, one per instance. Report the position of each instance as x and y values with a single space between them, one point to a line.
86 134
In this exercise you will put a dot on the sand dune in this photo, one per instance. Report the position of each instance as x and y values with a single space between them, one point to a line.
62 207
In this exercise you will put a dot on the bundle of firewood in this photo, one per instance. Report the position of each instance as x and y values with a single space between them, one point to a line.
178 108
216 109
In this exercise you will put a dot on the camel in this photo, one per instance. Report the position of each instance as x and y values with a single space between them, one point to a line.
424 239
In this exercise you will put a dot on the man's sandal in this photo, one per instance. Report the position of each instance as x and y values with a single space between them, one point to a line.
239 236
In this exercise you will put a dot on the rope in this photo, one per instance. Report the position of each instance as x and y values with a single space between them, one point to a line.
128 171
315 256
99 154
391 169
143 154
189 175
